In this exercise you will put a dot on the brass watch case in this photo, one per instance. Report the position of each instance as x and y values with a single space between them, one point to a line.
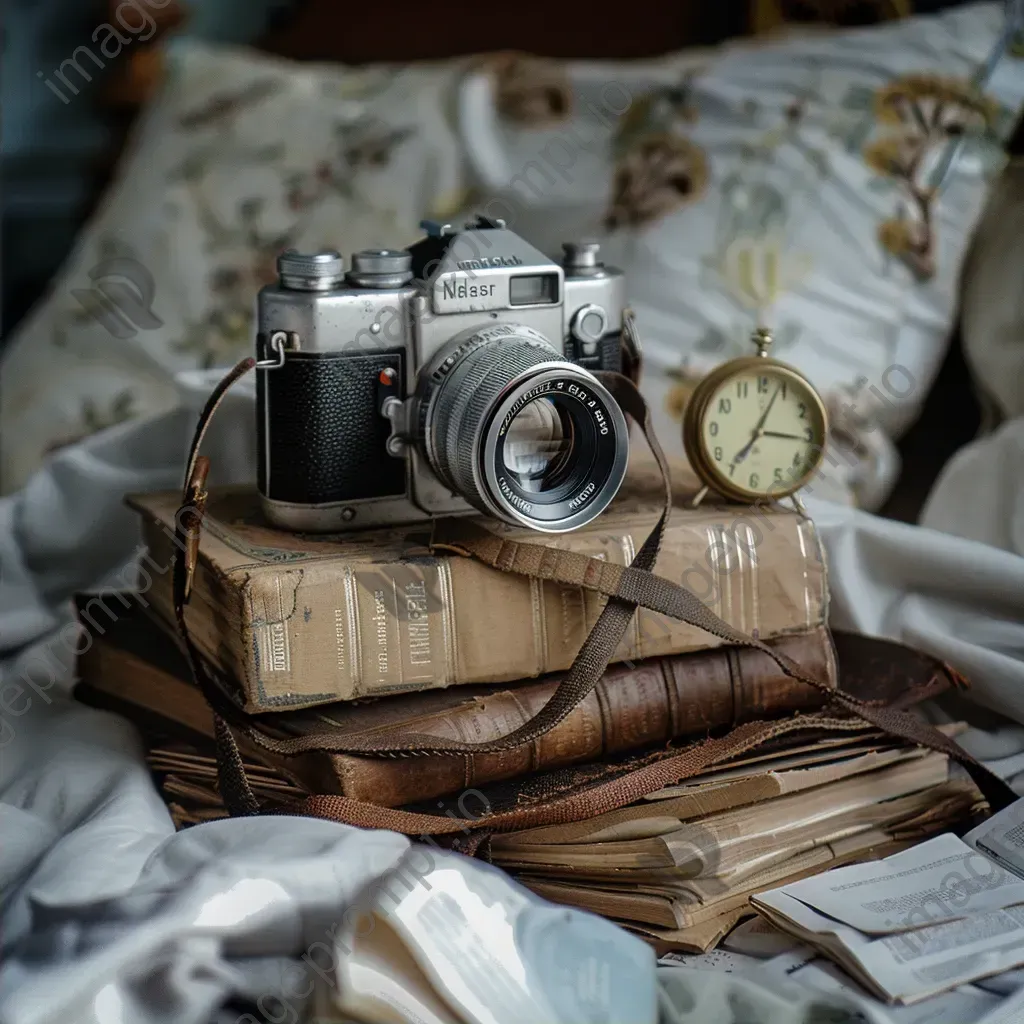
693 435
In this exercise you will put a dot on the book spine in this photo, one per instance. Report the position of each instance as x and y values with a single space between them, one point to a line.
634 706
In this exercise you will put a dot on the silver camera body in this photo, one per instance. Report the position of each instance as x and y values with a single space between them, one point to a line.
447 378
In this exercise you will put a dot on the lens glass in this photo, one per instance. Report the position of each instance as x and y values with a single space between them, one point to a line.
551 457
539 446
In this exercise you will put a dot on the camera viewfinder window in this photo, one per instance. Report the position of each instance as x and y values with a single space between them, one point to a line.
533 289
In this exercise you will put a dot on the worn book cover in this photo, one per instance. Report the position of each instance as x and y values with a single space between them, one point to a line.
139 669
300 620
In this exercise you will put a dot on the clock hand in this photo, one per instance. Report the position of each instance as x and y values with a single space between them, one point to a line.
758 430
775 433
745 450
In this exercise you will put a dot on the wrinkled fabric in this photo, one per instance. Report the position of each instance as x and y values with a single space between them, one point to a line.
693 997
955 585
109 916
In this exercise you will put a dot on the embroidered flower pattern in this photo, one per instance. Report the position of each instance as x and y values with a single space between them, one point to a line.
657 168
655 177
531 91
923 115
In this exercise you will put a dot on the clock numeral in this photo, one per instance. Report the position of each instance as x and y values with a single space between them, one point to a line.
808 434
783 390
762 385
725 405
754 480
742 388
732 469
713 428
802 411
718 454
778 473
797 460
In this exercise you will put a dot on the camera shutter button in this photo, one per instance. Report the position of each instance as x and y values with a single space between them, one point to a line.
583 255
588 327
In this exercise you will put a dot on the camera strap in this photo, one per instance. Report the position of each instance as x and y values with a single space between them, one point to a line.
625 587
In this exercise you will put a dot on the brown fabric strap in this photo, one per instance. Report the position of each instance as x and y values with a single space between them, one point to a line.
577 804
235 790
626 588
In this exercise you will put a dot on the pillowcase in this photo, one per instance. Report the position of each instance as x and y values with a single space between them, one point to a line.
240 156
992 299
784 185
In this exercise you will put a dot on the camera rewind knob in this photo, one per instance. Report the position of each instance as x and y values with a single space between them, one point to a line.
311 272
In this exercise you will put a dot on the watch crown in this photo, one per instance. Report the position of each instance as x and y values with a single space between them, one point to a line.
762 338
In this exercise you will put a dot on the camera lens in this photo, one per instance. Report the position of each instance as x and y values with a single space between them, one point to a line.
539 445
521 433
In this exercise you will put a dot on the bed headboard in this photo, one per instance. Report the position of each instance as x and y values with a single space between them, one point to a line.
403 30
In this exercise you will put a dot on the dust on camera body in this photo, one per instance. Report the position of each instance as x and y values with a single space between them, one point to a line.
448 378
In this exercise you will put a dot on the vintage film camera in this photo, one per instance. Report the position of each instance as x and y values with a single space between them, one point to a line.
449 377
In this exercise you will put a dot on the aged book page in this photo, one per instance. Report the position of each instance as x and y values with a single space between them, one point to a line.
713 793
942 879
965 1005
739 837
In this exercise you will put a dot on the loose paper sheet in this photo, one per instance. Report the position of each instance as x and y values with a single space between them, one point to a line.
939 880
1009 1011
1004 984
803 966
1002 838
914 965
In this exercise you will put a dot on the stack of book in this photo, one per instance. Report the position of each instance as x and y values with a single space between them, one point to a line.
372 632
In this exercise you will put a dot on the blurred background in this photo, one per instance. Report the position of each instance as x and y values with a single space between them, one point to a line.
60 158
57 158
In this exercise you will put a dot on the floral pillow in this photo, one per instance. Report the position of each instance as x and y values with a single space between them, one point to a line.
790 185
240 157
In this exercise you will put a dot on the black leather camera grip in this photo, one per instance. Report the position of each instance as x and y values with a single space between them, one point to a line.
321 435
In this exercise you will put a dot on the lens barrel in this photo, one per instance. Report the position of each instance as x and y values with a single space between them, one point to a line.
521 433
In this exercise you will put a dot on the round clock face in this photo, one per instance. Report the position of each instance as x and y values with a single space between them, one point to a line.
762 432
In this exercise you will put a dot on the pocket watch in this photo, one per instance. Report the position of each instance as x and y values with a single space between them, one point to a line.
754 429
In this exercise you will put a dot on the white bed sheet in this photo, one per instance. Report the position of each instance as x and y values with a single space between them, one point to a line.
106 913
